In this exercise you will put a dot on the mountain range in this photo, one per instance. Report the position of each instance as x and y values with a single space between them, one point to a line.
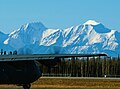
35 38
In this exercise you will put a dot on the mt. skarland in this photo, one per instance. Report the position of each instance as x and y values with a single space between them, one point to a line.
35 38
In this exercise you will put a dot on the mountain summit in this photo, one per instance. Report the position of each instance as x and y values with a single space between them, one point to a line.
90 37
26 35
91 22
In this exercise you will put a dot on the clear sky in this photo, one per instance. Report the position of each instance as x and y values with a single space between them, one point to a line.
58 13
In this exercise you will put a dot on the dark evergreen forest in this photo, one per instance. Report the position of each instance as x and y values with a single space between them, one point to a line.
85 67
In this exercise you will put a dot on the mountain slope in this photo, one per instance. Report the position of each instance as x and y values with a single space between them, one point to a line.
90 37
28 34
3 37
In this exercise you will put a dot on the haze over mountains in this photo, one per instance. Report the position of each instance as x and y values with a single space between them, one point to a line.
35 38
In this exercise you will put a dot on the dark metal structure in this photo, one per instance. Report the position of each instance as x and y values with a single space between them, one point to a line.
22 70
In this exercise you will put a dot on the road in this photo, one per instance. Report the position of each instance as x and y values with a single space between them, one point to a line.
97 78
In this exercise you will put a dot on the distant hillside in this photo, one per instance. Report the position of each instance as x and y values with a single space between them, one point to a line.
90 37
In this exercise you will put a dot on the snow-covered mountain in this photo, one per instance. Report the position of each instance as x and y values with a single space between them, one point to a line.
3 37
90 37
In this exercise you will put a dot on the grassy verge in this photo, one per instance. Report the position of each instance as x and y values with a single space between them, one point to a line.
68 83
71 83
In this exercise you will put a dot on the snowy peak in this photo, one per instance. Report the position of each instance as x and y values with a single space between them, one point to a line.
90 37
91 22
29 27
97 26
34 25
26 35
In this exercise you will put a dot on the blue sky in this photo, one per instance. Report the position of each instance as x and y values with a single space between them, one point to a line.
58 13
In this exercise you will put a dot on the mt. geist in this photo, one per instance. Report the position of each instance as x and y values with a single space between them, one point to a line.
35 38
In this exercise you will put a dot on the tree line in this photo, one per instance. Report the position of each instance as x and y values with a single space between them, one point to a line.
85 67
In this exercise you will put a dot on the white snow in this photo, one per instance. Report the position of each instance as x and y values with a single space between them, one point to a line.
6 41
48 32
91 22
86 38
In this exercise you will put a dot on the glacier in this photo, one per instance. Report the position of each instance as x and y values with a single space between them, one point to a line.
35 38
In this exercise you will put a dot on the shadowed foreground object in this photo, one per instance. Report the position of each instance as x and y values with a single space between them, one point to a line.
22 70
